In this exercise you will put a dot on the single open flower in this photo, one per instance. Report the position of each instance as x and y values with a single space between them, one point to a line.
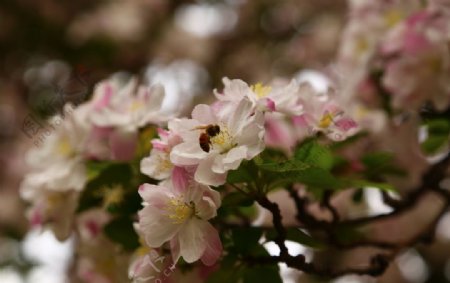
279 97
158 164
218 144
178 211
127 106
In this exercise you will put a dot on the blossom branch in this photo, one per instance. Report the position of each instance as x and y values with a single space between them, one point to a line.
379 261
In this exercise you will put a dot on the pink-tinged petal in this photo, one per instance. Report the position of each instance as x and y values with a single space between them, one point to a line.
105 98
153 97
217 106
243 111
204 175
162 132
159 145
187 153
157 165
36 218
175 249
234 90
346 124
213 246
270 104
415 43
279 134
101 132
204 114
192 239
417 18
93 228
300 121
206 208
153 195
123 145
213 195
157 227
229 161
180 179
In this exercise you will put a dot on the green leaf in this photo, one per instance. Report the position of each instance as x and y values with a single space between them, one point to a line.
438 135
298 236
284 166
377 159
378 163
434 143
314 154
266 274
313 177
314 174
121 231
94 168
246 173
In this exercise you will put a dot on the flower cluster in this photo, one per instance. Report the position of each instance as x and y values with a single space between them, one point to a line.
188 157
198 152
104 128
406 43
121 172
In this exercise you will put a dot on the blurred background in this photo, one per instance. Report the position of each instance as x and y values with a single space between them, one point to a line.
48 47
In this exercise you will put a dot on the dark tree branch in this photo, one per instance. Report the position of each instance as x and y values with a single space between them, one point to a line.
379 261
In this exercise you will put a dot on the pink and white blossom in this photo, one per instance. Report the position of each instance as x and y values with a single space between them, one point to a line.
280 97
241 137
280 132
323 114
97 258
128 106
158 165
57 174
178 211
418 61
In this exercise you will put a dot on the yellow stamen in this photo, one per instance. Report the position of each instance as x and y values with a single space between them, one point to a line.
143 250
393 17
260 90
135 105
164 163
112 195
326 120
65 148
54 201
223 140
179 211
361 46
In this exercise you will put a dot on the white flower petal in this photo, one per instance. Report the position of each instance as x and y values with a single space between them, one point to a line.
156 226
192 239
204 174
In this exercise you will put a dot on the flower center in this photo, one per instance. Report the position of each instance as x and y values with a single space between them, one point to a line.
362 45
64 148
392 17
164 163
179 211
135 106
326 120
113 195
223 140
260 90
